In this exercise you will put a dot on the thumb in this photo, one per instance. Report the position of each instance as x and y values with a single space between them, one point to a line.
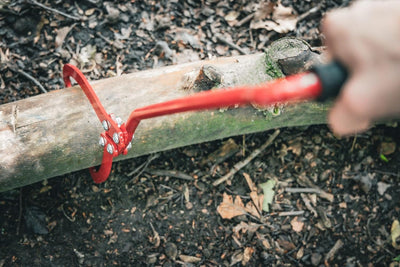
349 115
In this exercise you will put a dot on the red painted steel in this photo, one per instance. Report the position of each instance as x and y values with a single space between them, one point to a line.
293 88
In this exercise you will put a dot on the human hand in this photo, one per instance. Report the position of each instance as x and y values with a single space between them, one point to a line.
366 39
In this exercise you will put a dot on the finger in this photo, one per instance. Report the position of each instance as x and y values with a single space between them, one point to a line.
343 122
350 113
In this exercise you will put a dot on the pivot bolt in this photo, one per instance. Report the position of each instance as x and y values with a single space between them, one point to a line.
102 141
116 138
129 146
105 125
110 149
118 120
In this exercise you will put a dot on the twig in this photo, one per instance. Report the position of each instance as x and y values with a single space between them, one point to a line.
333 251
65 214
142 167
354 143
231 45
28 76
171 173
291 213
245 20
302 190
243 163
321 193
34 2
307 201
117 44
387 173
20 211
309 12
14 115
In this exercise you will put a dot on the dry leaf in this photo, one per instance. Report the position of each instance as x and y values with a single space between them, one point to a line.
250 183
297 225
264 11
250 208
229 209
189 259
268 194
244 227
236 257
231 17
247 255
257 200
283 20
264 241
395 234
296 148
387 148
61 34
382 187
285 244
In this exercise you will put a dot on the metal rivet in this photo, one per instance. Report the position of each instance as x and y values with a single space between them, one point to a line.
118 120
116 138
105 125
102 141
110 149
129 146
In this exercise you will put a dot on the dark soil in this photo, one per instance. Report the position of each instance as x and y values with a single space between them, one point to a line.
146 215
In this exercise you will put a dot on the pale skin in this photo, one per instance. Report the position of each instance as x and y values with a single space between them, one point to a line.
366 39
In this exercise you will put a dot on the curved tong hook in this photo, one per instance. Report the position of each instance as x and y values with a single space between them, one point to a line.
115 138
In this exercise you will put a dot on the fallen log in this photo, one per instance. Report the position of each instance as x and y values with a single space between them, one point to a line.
57 133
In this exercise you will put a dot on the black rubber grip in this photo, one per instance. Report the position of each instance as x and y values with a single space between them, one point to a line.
332 77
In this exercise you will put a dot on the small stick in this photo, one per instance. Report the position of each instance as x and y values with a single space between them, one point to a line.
26 75
20 211
34 2
231 45
171 173
291 213
243 163
142 167
14 115
245 20
333 251
302 190
117 44
309 12
307 201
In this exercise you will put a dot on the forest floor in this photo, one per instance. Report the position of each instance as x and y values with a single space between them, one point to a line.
334 200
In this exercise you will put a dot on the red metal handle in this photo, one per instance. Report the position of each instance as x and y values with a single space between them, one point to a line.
296 87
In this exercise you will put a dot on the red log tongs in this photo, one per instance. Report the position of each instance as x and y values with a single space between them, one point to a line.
321 83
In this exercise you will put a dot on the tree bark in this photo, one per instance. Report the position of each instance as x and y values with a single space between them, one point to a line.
57 133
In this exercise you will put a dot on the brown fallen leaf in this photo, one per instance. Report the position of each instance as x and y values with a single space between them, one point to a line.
395 234
285 244
229 209
295 147
189 259
61 34
250 208
297 225
387 148
252 186
283 20
244 227
257 200
247 255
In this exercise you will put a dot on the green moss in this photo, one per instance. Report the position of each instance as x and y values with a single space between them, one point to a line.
272 68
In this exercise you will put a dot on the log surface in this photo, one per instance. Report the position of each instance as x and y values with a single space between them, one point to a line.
57 133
